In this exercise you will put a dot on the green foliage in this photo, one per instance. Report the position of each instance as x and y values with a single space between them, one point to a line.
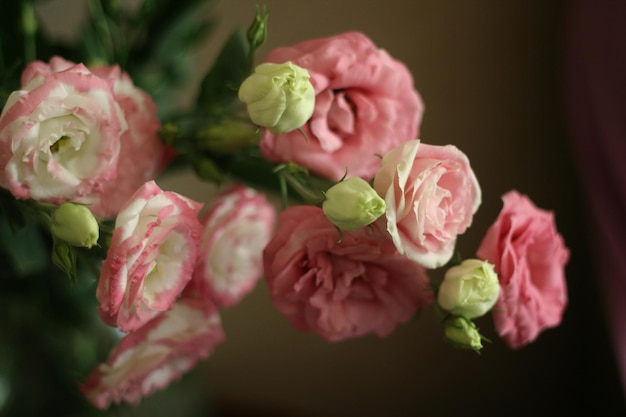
218 92
23 248
152 43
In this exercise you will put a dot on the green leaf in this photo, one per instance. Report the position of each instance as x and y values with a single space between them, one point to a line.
153 42
24 247
162 60
220 85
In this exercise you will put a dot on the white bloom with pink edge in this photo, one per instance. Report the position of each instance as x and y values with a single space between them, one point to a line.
59 136
87 135
237 227
156 355
151 257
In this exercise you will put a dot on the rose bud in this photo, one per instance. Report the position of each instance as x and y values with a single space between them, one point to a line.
462 333
75 224
469 289
352 203
279 97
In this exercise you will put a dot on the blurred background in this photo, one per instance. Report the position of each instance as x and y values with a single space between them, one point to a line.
492 76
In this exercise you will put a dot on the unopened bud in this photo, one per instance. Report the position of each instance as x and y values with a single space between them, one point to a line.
352 203
469 289
75 225
279 97
257 32
462 333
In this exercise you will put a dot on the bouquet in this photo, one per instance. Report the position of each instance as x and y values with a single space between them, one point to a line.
327 194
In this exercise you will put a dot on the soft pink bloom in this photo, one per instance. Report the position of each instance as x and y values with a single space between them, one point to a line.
365 105
431 195
82 134
345 289
157 354
530 257
237 227
151 257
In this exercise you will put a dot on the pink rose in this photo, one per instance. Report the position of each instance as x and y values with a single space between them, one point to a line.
431 195
151 257
157 354
237 227
365 105
69 149
344 289
59 136
529 256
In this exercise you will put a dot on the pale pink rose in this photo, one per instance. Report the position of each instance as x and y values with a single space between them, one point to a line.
365 105
59 136
151 257
431 195
237 227
139 154
530 257
156 355
340 290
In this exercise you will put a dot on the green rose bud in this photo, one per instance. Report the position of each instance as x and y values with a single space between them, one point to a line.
75 225
462 333
352 203
469 289
257 32
279 97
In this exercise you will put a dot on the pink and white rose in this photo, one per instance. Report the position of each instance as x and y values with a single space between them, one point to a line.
157 354
431 194
82 134
360 285
151 257
238 225
530 257
60 136
365 104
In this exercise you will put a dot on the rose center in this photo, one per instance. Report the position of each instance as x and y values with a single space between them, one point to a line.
342 114
59 144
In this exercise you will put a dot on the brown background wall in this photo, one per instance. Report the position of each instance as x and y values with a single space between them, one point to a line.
488 73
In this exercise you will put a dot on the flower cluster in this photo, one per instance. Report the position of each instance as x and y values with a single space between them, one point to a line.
371 210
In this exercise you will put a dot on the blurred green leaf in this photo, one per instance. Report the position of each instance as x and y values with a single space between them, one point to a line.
218 92
153 42
24 246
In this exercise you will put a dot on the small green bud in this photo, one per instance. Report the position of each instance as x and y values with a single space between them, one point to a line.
469 289
462 333
257 32
75 225
207 170
279 97
64 257
352 203
168 133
